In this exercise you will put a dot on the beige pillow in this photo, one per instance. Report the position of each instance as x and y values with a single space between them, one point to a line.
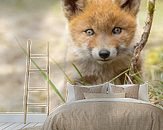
79 91
131 91
76 92
101 95
143 92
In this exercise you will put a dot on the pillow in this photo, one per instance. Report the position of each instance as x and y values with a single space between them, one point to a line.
70 93
143 90
76 92
132 91
101 95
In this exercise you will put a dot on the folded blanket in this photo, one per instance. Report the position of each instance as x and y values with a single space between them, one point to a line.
105 114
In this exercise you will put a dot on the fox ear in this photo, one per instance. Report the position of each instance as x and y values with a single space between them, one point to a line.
72 7
131 6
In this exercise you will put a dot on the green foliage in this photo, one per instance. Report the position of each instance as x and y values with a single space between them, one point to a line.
63 71
53 86
154 74
77 70
154 56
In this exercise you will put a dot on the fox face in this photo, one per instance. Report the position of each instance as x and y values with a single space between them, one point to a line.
102 30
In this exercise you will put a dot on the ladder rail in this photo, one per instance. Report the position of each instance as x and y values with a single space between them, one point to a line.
27 81
48 73
28 89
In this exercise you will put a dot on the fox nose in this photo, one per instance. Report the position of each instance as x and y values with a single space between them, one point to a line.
104 53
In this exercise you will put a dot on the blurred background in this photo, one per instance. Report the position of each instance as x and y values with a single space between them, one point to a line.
43 21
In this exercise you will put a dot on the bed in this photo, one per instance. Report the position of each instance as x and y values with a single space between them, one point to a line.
105 114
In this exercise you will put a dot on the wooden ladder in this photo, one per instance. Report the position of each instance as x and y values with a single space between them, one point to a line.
29 58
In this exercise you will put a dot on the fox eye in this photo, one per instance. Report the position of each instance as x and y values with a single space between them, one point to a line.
89 32
117 30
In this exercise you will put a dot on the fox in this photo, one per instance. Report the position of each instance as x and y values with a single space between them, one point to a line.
102 35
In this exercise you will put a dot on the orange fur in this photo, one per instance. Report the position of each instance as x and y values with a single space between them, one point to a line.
101 16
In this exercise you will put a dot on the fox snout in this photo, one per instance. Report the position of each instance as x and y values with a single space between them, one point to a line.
104 54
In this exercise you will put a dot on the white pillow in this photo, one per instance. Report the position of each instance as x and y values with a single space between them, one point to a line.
143 90
71 91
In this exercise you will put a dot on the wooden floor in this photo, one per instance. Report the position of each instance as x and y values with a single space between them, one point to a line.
17 126
14 121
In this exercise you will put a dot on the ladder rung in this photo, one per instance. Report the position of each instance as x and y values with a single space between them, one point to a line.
37 89
37 105
31 70
38 55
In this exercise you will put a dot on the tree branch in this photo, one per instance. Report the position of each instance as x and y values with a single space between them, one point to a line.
144 38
